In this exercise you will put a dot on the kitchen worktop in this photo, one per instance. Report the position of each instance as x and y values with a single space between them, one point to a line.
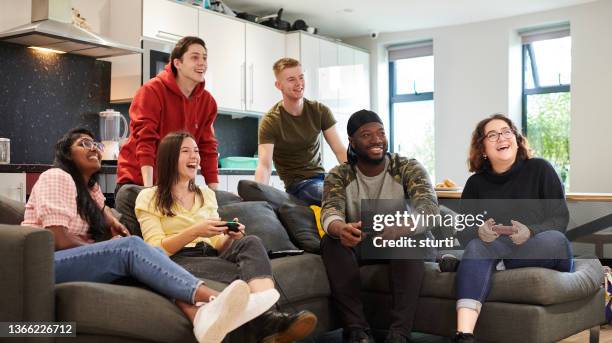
574 196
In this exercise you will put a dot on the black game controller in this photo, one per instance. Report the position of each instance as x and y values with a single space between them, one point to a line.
231 226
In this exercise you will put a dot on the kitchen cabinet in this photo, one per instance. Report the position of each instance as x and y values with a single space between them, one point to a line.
120 20
263 48
13 186
125 26
163 19
232 181
222 182
240 59
276 182
225 42
336 75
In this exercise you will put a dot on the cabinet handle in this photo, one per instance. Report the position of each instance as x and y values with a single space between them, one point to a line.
21 191
251 71
242 85
168 35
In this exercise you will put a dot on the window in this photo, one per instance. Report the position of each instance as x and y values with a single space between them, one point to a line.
411 105
546 95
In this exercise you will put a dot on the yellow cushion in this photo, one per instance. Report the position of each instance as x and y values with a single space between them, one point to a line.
317 213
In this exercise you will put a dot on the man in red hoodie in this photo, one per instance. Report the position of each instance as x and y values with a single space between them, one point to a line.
174 100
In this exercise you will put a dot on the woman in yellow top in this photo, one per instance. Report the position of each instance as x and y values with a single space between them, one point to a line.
181 219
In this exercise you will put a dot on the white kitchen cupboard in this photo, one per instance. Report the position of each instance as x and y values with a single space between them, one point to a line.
328 75
121 21
305 48
240 59
163 19
13 186
225 42
263 48
276 182
232 181
125 26
339 74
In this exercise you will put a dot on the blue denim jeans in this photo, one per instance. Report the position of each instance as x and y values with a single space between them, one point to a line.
473 280
309 190
115 259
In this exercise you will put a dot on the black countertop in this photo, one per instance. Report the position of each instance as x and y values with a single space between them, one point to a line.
106 169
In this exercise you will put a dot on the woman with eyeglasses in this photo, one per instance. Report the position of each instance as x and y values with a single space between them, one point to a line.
524 213
92 246
182 219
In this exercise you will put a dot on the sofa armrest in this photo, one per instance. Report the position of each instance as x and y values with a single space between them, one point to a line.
27 280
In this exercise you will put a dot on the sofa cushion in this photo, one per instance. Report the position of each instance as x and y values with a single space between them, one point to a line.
11 211
260 220
295 287
226 198
124 311
538 286
255 191
124 204
300 223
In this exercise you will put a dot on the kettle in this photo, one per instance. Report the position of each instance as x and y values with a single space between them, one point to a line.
110 133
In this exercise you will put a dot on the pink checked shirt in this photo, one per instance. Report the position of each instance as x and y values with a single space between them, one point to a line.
53 203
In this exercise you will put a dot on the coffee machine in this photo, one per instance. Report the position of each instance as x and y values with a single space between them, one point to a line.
110 133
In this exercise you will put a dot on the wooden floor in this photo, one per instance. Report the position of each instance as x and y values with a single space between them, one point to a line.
605 336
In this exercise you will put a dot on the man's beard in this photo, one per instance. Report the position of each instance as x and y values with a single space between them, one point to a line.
363 156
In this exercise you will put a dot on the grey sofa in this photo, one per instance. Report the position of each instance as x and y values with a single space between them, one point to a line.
526 305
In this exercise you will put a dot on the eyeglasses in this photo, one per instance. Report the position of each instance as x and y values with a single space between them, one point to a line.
493 136
88 144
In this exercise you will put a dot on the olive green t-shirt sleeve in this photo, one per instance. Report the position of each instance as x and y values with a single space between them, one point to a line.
266 131
327 118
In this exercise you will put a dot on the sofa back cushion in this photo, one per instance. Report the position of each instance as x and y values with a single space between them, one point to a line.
260 220
11 211
301 225
255 191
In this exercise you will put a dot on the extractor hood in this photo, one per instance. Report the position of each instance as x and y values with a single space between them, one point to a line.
52 28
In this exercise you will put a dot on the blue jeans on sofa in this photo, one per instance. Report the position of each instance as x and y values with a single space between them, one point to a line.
309 190
111 260
548 249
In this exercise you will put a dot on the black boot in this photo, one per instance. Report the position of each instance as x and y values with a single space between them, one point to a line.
396 337
356 335
279 327
461 337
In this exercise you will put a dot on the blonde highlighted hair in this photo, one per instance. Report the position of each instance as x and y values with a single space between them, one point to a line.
284 63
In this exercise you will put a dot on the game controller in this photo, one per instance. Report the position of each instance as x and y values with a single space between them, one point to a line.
504 230
231 226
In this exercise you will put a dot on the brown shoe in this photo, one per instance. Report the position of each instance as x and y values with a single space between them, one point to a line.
279 327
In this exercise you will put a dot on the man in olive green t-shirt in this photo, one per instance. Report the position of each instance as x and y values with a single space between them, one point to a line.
289 135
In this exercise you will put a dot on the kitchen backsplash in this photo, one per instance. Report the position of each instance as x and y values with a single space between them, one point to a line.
45 95
237 137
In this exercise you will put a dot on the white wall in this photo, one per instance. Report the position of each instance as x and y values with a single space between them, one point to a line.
478 72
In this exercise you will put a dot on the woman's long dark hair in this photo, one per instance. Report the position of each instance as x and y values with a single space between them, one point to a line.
168 153
86 206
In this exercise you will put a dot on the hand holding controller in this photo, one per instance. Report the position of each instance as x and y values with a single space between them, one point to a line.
504 230
232 226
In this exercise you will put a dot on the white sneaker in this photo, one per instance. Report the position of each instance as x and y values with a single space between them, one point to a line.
258 303
215 319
